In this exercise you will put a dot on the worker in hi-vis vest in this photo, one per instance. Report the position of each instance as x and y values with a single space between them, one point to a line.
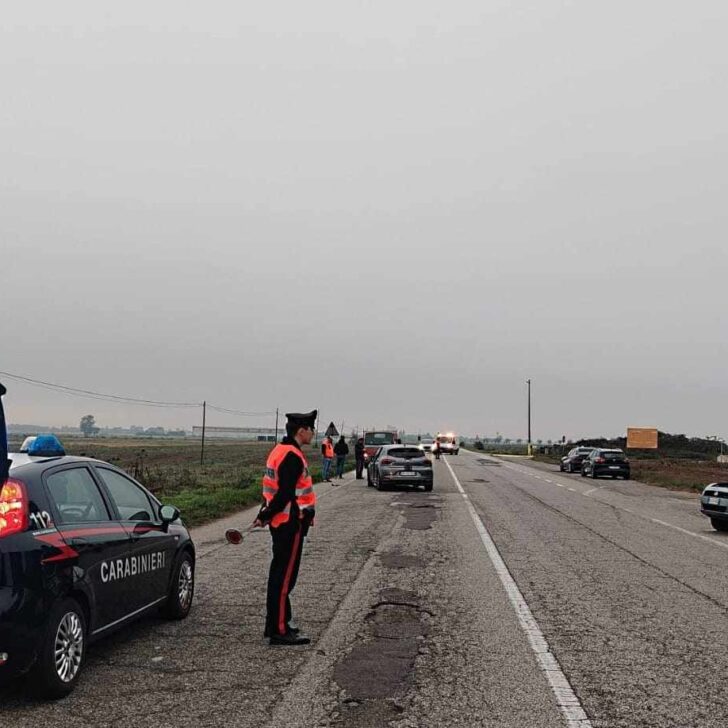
289 510
327 457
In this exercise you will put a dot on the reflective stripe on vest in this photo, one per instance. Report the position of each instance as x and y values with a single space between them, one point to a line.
305 496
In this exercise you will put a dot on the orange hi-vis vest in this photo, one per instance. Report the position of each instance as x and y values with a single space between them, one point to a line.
328 450
305 497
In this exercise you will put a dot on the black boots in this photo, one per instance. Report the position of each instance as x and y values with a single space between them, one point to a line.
290 638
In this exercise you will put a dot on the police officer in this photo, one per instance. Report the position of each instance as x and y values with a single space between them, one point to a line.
289 510
359 456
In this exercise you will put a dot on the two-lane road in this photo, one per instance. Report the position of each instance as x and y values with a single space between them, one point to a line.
510 596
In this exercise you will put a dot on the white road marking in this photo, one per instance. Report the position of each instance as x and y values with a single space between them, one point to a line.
702 537
565 696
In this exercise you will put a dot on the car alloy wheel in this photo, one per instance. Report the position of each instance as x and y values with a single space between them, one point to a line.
69 647
185 585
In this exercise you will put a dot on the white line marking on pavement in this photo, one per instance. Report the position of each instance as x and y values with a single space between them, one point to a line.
565 696
690 533
588 493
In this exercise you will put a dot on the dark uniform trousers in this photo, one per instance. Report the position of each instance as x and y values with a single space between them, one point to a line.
359 467
287 547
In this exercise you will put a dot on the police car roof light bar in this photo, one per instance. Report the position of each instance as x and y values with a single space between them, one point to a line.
47 446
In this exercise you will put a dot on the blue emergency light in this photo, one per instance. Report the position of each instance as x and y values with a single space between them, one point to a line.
46 446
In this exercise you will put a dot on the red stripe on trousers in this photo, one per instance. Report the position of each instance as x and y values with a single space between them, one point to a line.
286 581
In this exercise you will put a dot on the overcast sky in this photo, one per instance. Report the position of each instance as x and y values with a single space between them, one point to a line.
396 212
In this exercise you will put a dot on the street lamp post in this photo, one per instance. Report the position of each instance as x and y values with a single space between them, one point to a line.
528 382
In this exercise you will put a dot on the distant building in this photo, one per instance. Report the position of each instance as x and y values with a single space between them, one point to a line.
264 434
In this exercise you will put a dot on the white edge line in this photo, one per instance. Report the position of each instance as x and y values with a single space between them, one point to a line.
565 696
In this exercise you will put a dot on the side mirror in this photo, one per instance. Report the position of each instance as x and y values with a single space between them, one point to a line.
168 514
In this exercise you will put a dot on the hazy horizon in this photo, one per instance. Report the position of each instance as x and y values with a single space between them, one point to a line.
395 214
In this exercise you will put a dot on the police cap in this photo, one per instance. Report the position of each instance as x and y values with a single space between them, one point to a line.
298 419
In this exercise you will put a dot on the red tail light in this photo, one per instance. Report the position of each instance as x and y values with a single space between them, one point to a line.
13 508
599 460
386 461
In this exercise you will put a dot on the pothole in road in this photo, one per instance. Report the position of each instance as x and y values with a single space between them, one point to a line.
397 560
418 515
483 461
374 673
478 480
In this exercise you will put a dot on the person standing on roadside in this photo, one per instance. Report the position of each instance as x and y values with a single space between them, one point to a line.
289 510
341 449
327 455
359 457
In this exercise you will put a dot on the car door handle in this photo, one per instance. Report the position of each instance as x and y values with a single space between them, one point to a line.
85 544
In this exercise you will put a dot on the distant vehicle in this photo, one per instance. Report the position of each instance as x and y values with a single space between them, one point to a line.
448 443
400 465
714 505
602 461
374 439
84 550
572 461
426 445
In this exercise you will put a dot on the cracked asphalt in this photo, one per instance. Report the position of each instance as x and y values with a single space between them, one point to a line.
411 624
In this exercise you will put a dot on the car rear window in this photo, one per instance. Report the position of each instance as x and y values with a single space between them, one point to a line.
613 455
379 438
404 452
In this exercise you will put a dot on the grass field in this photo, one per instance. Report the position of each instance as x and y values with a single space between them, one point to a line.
229 479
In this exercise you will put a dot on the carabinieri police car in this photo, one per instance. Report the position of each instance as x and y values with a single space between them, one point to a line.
84 549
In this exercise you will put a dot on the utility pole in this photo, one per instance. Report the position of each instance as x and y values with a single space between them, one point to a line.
315 427
276 424
204 416
528 381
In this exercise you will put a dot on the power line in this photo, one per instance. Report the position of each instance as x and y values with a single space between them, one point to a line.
88 394
240 413
122 399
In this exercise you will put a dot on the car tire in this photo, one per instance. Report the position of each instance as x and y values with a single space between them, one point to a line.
583 473
561 467
626 477
181 589
719 524
66 626
428 488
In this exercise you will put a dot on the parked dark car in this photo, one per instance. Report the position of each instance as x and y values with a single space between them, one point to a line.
84 550
400 465
714 504
572 461
602 461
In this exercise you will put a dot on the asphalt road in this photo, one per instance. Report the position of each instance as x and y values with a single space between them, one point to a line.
511 595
